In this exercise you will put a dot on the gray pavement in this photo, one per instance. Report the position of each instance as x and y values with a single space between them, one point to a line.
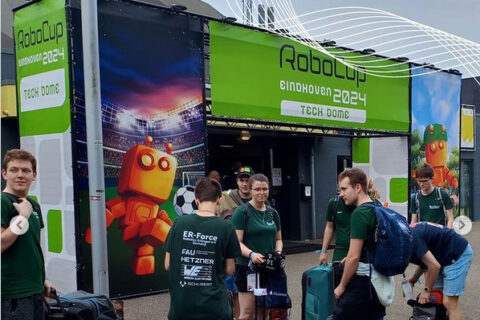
156 306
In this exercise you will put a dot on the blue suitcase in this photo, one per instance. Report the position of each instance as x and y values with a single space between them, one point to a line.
317 293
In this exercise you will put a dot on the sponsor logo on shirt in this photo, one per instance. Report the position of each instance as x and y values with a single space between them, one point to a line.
434 207
35 213
191 271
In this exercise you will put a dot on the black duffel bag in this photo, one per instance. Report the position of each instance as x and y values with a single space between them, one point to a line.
80 305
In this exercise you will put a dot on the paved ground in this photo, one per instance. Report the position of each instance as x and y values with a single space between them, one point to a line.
156 306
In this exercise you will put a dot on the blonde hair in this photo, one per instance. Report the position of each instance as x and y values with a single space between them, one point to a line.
372 192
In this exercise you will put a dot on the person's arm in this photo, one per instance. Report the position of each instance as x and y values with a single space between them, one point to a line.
8 238
450 218
414 218
327 237
229 267
24 208
418 273
167 261
433 268
351 265
278 241
256 257
48 288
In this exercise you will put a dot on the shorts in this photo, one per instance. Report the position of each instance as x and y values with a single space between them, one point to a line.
454 276
241 272
23 308
359 301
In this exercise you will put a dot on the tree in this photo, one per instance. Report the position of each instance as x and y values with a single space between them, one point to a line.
454 162
417 155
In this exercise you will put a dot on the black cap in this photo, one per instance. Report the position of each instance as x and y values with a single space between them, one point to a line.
245 171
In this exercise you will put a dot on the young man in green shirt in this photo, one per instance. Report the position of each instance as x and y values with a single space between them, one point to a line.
338 222
23 270
200 251
430 207
356 296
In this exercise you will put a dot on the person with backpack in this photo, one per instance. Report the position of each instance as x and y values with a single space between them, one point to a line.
338 222
447 256
23 269
355 294
431 203
200 251
259 232
338 218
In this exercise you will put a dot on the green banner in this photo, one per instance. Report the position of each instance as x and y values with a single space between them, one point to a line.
258 75
41 52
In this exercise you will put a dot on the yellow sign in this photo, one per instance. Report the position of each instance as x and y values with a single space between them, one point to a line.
9 101
468 127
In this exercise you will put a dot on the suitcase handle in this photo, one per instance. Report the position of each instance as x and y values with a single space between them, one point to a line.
53 295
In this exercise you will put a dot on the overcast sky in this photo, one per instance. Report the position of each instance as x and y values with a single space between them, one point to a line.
458 17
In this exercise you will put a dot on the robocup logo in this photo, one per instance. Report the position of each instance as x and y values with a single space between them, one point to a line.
47 32
317 65
19 225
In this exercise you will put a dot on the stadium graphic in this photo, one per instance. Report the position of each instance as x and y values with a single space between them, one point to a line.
153 126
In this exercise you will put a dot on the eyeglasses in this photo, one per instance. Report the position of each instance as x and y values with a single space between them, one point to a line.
423 180
260 189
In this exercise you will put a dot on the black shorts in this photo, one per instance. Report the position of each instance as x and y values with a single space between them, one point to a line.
359 298
241 272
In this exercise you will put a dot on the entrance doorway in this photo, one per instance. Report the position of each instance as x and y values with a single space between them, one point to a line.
466 199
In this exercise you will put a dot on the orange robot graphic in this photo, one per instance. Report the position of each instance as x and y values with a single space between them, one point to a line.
435 146
145 182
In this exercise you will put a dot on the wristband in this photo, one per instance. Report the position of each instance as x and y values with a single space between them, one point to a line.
416 277
250 255
322 251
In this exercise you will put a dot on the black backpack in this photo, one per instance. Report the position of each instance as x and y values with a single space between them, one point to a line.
81 305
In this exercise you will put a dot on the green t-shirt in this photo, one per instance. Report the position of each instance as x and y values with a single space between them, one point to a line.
363 227
198 247
341 219
431 208
23 270
260 231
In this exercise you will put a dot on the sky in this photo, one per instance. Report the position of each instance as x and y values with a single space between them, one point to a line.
457 17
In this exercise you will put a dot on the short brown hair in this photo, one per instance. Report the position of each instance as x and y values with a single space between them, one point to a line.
257 177
356 176
424 171
207 189
19 154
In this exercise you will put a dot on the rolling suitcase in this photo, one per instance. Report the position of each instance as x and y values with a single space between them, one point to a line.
317 293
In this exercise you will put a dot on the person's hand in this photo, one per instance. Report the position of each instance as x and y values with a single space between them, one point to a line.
24 207
338 292
412 280
48 289
257 258
323 258
424 297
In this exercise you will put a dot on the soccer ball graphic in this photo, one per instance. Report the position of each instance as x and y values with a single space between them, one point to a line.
184 201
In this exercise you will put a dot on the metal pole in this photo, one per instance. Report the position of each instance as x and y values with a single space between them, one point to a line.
96 182
314 203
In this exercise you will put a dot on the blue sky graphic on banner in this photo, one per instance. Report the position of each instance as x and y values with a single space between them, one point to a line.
436 124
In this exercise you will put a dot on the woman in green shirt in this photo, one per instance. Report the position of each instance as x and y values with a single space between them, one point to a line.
259 232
